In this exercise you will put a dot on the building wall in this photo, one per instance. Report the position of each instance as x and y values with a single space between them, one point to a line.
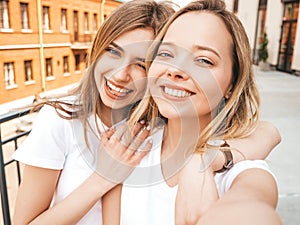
17 45
247 12
273 28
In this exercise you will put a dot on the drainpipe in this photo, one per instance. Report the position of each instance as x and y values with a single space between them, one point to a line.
42 63
102 11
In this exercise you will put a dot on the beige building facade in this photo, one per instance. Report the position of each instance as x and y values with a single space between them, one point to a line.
279 20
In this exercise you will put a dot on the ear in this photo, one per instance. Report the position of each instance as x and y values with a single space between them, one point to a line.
228 93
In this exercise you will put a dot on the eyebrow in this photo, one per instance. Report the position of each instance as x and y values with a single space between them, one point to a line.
201 47
122 50
117 46
196 47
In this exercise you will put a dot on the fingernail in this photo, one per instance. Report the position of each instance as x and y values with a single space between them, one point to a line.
142 122
148 127
150 141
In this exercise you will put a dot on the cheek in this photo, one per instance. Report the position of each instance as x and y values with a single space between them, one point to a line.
210 90
155 70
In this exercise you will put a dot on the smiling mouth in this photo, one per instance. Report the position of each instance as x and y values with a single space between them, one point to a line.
117 91
178 93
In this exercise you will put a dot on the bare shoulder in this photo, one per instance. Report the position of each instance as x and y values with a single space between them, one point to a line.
268 128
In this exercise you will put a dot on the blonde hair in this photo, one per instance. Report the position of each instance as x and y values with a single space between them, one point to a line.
127 17
241 112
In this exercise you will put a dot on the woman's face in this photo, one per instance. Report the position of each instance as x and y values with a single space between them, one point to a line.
120 71
193 67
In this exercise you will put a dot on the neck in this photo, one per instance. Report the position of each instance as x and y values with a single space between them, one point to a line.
111 116
182 133
179 142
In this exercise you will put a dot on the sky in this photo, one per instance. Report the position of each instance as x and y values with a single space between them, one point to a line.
181 2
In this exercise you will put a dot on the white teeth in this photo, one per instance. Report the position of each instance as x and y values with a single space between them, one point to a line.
177 93
117 89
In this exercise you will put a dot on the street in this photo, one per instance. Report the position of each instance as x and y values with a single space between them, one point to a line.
280 95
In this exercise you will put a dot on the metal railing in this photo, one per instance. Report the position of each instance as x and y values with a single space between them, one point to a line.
11 140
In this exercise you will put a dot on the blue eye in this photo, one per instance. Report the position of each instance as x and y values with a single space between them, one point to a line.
204 61
113 51
164 54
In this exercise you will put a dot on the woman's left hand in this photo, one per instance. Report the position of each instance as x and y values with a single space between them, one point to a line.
196 191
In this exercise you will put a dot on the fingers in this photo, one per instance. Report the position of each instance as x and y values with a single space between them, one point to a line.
120 130
139 155
125 134
139 139
122 142
105 136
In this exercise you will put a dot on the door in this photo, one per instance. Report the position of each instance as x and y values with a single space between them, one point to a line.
288 36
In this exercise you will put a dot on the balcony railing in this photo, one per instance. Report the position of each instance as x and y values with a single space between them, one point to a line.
6 143
84 38
81 42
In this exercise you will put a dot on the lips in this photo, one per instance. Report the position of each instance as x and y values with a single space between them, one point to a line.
116 91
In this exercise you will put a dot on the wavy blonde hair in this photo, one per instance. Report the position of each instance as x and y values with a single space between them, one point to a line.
127 17
241 112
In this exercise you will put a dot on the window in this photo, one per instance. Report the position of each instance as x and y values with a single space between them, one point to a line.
66 64
77 61
46 18
9 74
86 22
75 25
64 26
287 51
49 67
24 15
28 70
4 18
95 25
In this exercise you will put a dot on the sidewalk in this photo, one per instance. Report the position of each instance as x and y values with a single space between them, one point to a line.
280 96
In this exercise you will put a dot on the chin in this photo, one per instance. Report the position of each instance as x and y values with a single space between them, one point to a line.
169 113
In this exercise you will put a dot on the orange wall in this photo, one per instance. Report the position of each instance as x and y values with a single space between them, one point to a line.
17 45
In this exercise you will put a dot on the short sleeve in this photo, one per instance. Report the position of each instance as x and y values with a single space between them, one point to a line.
224 180
46 145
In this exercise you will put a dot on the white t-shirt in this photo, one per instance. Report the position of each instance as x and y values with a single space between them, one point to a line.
148 200
57 143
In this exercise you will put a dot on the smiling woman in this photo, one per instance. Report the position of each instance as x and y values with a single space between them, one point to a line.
120 72
201 85
66 159
203 67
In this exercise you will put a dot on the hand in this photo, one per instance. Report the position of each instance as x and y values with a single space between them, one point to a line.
121 150
196 191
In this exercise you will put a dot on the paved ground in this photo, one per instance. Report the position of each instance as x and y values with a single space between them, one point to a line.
281 105
280 95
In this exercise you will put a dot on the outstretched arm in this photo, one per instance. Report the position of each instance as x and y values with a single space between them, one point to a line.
251 199
191 186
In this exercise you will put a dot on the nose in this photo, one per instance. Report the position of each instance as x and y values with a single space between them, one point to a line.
123 74
176 74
